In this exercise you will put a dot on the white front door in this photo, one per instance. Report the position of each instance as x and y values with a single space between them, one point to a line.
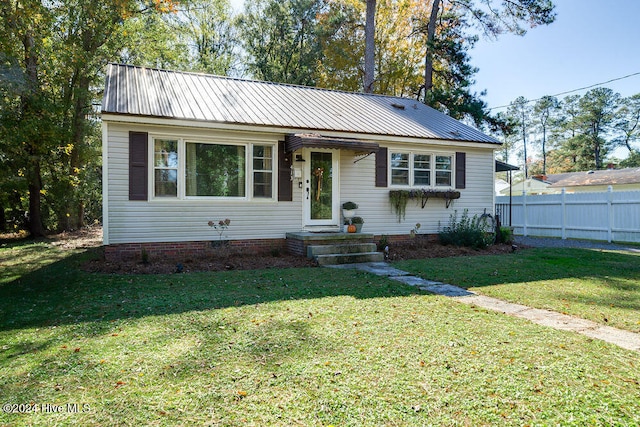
322 188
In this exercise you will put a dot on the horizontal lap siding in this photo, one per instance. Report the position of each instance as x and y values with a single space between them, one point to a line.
358 185
185 220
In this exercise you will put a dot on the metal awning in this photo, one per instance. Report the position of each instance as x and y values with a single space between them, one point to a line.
505 167
296 141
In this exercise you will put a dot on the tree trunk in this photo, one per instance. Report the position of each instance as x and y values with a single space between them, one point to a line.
36 229
544 150
3 218
33 175
428 57
369 46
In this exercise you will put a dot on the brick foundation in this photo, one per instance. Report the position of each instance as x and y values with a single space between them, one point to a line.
179 250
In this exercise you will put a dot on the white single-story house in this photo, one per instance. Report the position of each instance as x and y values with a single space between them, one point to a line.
183 149
627 179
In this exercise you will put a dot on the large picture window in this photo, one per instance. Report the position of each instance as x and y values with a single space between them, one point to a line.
184 168
215 170
419 169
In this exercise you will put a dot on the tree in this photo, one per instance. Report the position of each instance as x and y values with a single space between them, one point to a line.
207 29
544 112
57 50
369 50
521 111
627 124
281 40
597 108
456 17
397 47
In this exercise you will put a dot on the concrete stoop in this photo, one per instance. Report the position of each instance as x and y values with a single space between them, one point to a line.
348 253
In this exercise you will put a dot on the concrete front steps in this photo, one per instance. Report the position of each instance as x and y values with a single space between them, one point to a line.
334 248
347 253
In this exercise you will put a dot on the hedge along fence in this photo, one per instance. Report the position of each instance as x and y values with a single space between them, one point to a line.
608 215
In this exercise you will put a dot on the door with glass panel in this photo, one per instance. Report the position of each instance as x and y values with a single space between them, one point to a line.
321 193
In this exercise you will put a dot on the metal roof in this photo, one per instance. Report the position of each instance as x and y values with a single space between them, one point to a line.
147 92
598 177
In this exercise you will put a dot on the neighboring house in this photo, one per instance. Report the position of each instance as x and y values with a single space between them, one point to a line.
577 182
182 149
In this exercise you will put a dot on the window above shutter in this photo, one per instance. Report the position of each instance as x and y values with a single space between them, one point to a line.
138 167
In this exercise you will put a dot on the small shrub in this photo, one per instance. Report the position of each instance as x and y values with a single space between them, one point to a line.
506 235
383 242
350 206
144 255
465 232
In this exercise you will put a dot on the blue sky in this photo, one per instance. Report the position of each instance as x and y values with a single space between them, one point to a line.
591 41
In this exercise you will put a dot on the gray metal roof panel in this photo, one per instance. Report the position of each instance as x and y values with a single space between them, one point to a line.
159 93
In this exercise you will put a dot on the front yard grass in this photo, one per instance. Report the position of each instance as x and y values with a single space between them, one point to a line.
602 286
311 347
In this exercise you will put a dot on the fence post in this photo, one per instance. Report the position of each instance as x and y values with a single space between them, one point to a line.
564 214
524 213
610 213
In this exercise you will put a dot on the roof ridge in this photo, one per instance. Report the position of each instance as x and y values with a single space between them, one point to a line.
265 82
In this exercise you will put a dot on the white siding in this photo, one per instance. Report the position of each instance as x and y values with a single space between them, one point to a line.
186 220
358 185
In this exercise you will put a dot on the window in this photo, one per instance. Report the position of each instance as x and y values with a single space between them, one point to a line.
422 169
215 170
399 168
418 169
206 169
443 171
263 171
165 167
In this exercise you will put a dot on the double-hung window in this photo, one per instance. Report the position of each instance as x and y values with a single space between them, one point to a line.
421 169
193 169
165 167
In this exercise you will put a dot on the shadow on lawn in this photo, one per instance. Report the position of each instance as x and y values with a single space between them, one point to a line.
63 294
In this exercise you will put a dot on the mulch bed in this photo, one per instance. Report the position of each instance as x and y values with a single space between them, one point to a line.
227 258
234 259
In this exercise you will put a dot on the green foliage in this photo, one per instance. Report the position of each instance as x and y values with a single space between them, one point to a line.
467 231
283 347
281 40
357 220
506 235
350 206
399 199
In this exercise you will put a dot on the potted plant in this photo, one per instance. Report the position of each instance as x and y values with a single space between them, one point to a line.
349 210
357 221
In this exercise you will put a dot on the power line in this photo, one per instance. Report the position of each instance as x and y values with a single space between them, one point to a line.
575 90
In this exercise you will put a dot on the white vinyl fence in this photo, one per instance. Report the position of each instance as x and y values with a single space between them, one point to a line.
609 215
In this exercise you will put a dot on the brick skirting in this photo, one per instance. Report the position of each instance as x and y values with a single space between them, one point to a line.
178 250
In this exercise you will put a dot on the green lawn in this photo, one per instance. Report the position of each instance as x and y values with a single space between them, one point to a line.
601 286
310 347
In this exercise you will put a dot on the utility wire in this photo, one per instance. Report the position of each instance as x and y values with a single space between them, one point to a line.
574 90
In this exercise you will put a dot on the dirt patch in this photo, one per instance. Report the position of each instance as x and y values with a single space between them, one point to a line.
228 258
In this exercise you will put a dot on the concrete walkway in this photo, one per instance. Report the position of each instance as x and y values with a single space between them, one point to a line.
563 322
